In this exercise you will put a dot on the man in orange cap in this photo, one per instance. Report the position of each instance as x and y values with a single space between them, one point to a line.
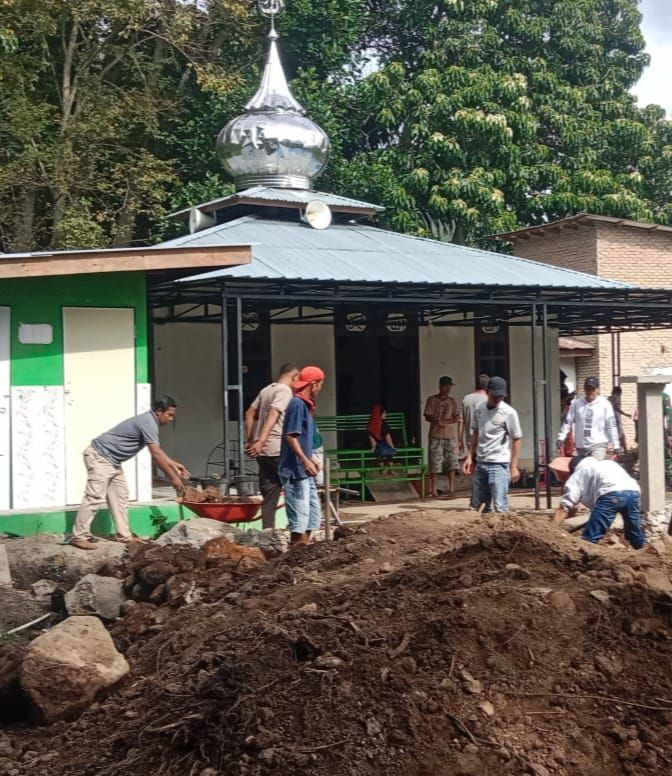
297 468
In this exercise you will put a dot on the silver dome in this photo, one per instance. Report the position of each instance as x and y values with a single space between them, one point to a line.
273 143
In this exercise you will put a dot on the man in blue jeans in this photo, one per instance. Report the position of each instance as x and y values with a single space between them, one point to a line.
606 489
495 448
297 467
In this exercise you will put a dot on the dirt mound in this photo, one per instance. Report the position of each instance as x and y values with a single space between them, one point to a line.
500 647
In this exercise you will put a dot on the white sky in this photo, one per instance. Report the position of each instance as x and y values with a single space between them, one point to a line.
655 85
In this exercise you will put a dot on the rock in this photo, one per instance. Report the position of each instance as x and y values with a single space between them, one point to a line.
42 590
67 667
308 608
608 666
487 708
373 727
18 607
102 596
601 595
516 571
469 684
539 770
328 661
181 590
385 568
155 573
632 749
197 531
223 549
273 542
562 603
46 557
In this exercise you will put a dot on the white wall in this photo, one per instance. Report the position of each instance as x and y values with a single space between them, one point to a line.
445 350
309 344
187 366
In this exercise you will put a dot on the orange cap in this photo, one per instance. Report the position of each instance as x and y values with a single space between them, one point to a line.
309 374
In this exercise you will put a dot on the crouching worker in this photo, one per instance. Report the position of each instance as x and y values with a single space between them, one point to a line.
606 489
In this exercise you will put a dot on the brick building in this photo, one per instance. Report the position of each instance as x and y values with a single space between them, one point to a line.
629 251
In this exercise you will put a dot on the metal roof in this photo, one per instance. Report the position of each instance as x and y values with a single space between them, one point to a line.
360 253
267 194
572 221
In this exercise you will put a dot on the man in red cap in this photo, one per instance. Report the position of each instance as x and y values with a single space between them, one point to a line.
297 468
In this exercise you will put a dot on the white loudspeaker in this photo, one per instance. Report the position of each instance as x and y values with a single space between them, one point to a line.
317 214
199 220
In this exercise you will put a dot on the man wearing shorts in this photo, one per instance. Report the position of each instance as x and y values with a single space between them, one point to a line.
297 467
442 414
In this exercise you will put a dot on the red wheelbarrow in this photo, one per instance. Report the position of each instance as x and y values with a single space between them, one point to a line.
238 511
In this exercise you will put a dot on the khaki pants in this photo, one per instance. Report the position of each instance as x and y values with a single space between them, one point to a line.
104 482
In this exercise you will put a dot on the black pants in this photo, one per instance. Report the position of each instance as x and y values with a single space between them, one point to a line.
269 484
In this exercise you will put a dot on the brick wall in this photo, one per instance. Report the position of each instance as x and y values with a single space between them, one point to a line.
633 255
572 248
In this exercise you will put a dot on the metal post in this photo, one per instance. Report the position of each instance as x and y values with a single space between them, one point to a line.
327 500
239 386
535 410
225 385
547 403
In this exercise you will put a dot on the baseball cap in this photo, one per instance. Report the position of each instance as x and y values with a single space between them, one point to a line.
309 374
446 380
591 382
497 386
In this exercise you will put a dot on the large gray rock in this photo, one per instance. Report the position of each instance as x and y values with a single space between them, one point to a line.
271 541
102 596
64 669
198 531
46 556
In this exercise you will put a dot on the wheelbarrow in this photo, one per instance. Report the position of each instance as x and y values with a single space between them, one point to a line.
240 511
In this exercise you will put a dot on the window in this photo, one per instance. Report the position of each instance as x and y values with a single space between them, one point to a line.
492 350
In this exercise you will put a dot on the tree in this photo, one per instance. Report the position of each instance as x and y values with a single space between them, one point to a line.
491 113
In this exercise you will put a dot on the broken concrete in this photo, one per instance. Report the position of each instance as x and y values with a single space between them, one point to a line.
102 596
271 541
197 532
67 667
5 573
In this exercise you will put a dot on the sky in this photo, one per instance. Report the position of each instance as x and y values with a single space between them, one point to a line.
654 85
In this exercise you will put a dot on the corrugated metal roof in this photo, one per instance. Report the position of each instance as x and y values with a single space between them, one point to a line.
288 196
362 253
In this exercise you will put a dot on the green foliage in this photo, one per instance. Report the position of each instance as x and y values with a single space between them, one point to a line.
474 116
491 113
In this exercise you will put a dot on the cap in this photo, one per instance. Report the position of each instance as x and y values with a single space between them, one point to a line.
309 374
591 382
497 386
446 380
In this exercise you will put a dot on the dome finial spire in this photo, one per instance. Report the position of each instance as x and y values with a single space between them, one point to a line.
273 143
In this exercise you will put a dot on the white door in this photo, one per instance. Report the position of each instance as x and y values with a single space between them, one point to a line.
4 409
99 379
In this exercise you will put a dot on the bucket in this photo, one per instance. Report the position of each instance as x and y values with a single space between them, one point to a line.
246 484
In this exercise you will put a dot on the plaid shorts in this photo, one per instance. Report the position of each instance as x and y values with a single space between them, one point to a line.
443 456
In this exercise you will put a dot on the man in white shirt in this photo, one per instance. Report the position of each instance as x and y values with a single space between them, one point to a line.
263 432
495 448
592 420
606 489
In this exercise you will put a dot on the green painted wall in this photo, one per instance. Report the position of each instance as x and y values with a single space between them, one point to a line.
142 518
41 300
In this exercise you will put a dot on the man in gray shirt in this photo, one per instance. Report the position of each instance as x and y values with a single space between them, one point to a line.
495 444
264 418
105 480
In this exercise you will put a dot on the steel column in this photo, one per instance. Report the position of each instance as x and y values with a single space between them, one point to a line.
547 404
225 384
239 385
535 409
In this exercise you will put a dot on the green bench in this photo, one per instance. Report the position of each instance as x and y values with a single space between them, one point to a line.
355 467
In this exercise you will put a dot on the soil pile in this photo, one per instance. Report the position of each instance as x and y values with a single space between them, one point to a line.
405 648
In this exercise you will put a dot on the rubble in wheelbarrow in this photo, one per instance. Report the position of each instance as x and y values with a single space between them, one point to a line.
212 495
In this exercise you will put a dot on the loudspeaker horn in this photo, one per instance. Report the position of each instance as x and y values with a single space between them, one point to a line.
198 220
318 214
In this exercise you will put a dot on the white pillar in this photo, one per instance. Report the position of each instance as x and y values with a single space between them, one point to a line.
651 440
